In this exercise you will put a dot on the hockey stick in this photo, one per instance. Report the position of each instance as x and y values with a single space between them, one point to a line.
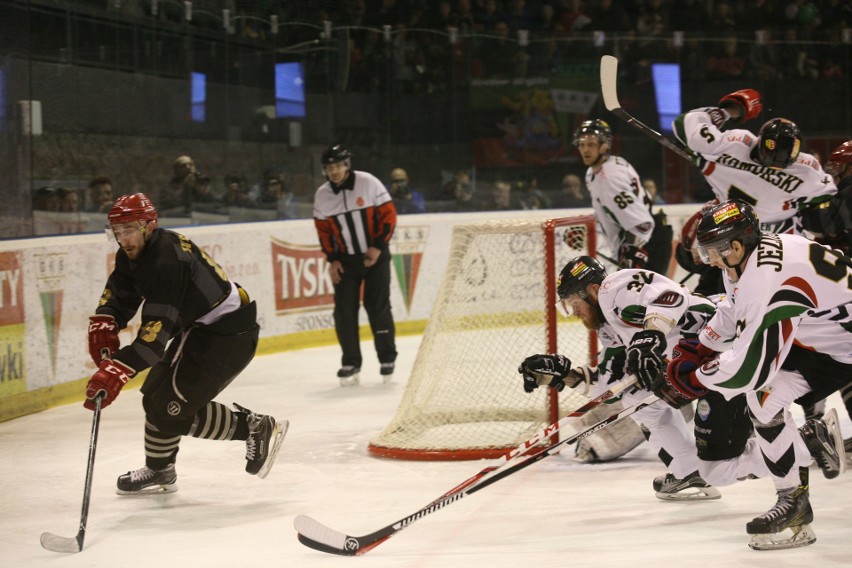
57 543
609 89
314 534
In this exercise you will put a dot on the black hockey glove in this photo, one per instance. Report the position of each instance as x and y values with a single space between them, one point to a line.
645 358
537 369
631 256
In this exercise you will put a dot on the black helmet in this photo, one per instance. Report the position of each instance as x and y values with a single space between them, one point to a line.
598 127
727 222
577 275
335 154
778 143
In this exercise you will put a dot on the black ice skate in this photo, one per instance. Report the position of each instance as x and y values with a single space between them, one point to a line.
387 372
349 376
146 481
792 511
263 442
825 444
691 488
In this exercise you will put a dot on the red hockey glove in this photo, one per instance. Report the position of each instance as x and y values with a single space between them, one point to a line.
103 337
681 385
748 100
631 256
110 377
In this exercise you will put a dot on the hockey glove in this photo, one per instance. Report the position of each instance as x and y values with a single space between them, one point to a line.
109 379
551 370
645 357
631 256
682 385
748 100
103 337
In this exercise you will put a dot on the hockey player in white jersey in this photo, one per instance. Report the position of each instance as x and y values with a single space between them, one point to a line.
782 335
619 307
637 238
767 171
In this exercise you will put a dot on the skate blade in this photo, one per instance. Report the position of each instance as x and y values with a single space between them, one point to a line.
153 490
692 494
802 535
352 381
387 378
833 425
281 427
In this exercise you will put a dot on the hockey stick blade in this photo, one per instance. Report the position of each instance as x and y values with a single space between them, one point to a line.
609 90
314 534
56 543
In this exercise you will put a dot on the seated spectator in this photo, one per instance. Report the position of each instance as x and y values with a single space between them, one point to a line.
531 197
176 199
274 194
651 189
237 192
573 194
69 200
609 16
46 199
201 193
405 199
100 195
460 190
503 57
502 198
728 63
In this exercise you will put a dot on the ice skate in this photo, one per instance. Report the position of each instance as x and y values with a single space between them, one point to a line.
847 447
691 488
825 443
349 376
786 525
263 442
386 371
147 481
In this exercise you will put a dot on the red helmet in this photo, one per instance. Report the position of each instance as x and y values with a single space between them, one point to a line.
136 207
838 159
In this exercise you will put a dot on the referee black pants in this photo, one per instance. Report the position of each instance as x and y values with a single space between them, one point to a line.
347 299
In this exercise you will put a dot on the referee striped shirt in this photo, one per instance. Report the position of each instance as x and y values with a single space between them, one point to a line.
354 216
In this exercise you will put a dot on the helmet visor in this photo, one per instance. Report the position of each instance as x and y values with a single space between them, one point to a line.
714 252
118 230
566 304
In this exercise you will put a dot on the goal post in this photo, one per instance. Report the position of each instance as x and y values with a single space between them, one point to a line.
496 306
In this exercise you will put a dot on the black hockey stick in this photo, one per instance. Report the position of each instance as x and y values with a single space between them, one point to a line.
609 89
314 534
57 543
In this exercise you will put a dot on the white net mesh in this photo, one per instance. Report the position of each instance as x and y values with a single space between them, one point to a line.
464 397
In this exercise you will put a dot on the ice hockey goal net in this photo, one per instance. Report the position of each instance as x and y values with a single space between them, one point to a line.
496 306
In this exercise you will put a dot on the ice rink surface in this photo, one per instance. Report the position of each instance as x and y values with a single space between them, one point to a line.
555 513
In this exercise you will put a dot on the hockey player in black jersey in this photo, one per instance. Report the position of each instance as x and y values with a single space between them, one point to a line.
185 298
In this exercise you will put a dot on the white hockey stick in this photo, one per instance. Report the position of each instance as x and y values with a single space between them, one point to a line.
57 543
609 89
315 535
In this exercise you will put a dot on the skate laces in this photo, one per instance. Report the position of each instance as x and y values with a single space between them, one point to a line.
256 431
141 474
782 507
